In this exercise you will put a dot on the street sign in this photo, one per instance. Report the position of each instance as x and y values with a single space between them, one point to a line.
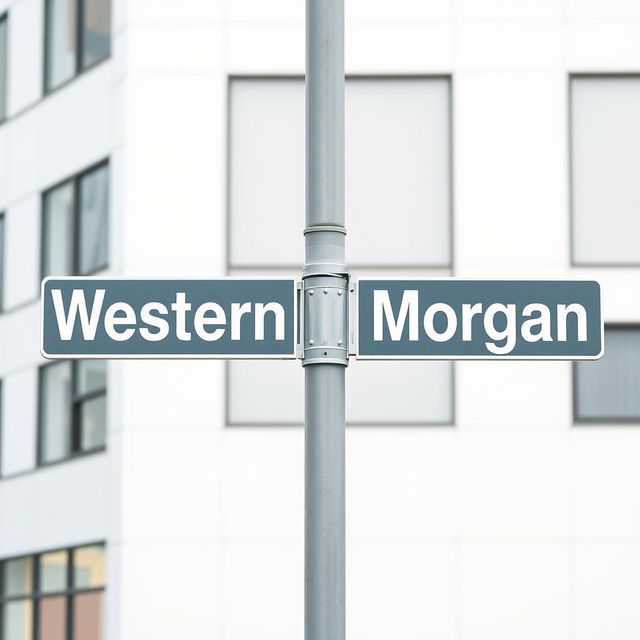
449 319
135 318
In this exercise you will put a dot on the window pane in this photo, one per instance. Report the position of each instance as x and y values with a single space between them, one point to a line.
61 41
607 389
91 375
53 619
89 567
397 168
3 68
17 620
93 423
88 622
96 37
605 155
55 411
94 207
272 392
18 577
53 571
58 231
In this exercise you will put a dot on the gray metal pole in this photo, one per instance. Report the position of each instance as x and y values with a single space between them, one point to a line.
325 324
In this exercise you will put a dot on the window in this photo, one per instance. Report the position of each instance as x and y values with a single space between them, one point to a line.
78 35
607 390
605 155
72 409
57 595
4 66
397 172
398 168
75 224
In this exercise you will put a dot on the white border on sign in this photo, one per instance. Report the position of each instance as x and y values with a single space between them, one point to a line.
357 281
193 356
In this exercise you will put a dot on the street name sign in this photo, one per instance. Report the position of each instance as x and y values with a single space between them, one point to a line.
450 319
136 318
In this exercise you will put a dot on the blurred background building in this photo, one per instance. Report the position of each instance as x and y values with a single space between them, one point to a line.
164 500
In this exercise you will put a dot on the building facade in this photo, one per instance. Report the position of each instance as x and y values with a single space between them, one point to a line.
164 499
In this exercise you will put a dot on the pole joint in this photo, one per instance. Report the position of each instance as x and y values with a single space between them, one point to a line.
326 311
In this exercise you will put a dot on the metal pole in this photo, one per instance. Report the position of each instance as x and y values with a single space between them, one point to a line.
325 324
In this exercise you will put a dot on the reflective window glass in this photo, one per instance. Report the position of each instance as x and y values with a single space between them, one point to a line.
53 571
52 623
58 231
88 616
91 375
18 577
17 620
94 208
55 410
61 39
89 567
608 389
96 35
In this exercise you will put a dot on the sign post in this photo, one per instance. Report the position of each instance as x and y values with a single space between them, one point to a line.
325 323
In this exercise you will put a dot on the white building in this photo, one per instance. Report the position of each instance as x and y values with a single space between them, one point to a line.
485 138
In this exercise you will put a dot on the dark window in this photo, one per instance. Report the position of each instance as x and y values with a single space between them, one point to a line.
75 224
4 66
78 35
57 595
72 409
607 390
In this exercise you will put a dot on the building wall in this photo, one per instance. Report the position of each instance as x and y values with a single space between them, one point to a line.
509 523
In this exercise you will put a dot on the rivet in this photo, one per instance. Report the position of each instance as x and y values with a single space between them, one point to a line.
326 290
311 292
310 341
339 292
339 341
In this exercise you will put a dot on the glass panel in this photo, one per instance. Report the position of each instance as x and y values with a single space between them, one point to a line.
89 567
608 388
88 622
93 423
17 621
61 41
53 619
96 37
397 167
605 155
53 571
3 68
58 231
55 411
18 577
91 375
94 220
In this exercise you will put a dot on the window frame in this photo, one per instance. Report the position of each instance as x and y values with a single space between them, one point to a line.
603 420
36 595
75 402
75 181
78 69
586 75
